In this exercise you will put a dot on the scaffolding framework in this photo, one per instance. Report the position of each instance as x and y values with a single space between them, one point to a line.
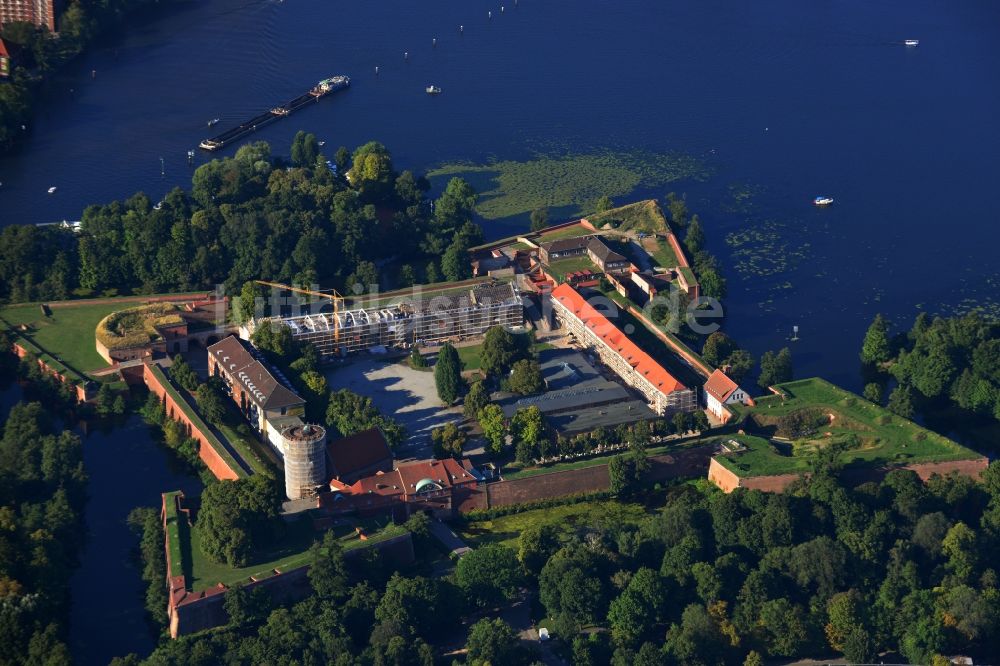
401 325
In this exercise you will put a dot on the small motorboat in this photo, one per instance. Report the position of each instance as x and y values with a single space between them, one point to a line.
52 190
321 143
158 205
823 201
433 90
912 42
213 121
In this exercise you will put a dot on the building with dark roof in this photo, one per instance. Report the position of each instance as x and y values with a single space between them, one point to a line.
578 398
268 402
359 455
665 393
603 256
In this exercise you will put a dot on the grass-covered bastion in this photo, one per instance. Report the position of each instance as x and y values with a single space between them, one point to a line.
811 421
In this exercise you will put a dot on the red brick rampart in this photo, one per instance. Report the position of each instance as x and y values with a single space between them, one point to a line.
729 481
190 612
207 450
679 464
678 251
79 386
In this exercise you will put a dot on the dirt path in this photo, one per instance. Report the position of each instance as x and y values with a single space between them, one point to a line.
129 299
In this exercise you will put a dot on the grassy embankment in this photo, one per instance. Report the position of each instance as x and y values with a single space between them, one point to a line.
643 216
567 518
68 334
289 552
518 471
195 418
873 435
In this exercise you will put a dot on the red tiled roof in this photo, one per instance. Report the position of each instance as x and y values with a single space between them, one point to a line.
406 477
642 362
447 472
720 386
358 453
3 49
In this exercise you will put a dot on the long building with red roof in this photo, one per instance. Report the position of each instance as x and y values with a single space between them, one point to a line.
666 394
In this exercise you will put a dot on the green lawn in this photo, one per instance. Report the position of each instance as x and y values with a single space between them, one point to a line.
291 552
574 231
68 334
470 354
877 437
568 517
259 456
562 267
664 254
176 534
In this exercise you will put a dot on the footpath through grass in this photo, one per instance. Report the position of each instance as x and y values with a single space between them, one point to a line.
291 551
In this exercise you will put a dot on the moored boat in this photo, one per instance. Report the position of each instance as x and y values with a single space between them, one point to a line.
433 90
823 201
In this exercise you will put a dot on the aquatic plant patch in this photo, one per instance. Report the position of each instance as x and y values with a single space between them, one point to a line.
570 182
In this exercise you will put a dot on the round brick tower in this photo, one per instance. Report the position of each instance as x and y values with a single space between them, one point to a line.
305 459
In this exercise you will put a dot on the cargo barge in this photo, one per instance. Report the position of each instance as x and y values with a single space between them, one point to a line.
320 90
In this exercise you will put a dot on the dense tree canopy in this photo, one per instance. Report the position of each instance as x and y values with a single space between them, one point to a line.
349 413
236 517
245 219
42 491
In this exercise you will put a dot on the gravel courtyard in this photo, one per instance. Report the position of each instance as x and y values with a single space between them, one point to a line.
405 394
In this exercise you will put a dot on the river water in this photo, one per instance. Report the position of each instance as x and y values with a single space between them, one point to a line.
783 99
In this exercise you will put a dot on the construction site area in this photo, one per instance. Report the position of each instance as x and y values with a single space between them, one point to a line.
400 320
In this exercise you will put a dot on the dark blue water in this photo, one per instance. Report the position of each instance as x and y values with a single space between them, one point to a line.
904 138
107 594
127 468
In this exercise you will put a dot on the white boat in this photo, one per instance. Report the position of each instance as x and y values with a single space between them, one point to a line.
823 201
213 121
433 90
322 143
158 205
52 190
912 42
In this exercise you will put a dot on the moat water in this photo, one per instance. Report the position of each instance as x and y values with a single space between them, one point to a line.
127 469
783 100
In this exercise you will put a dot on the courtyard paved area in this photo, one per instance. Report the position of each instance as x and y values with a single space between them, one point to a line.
405 394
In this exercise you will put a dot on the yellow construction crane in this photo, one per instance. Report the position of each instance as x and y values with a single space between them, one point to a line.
335 299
